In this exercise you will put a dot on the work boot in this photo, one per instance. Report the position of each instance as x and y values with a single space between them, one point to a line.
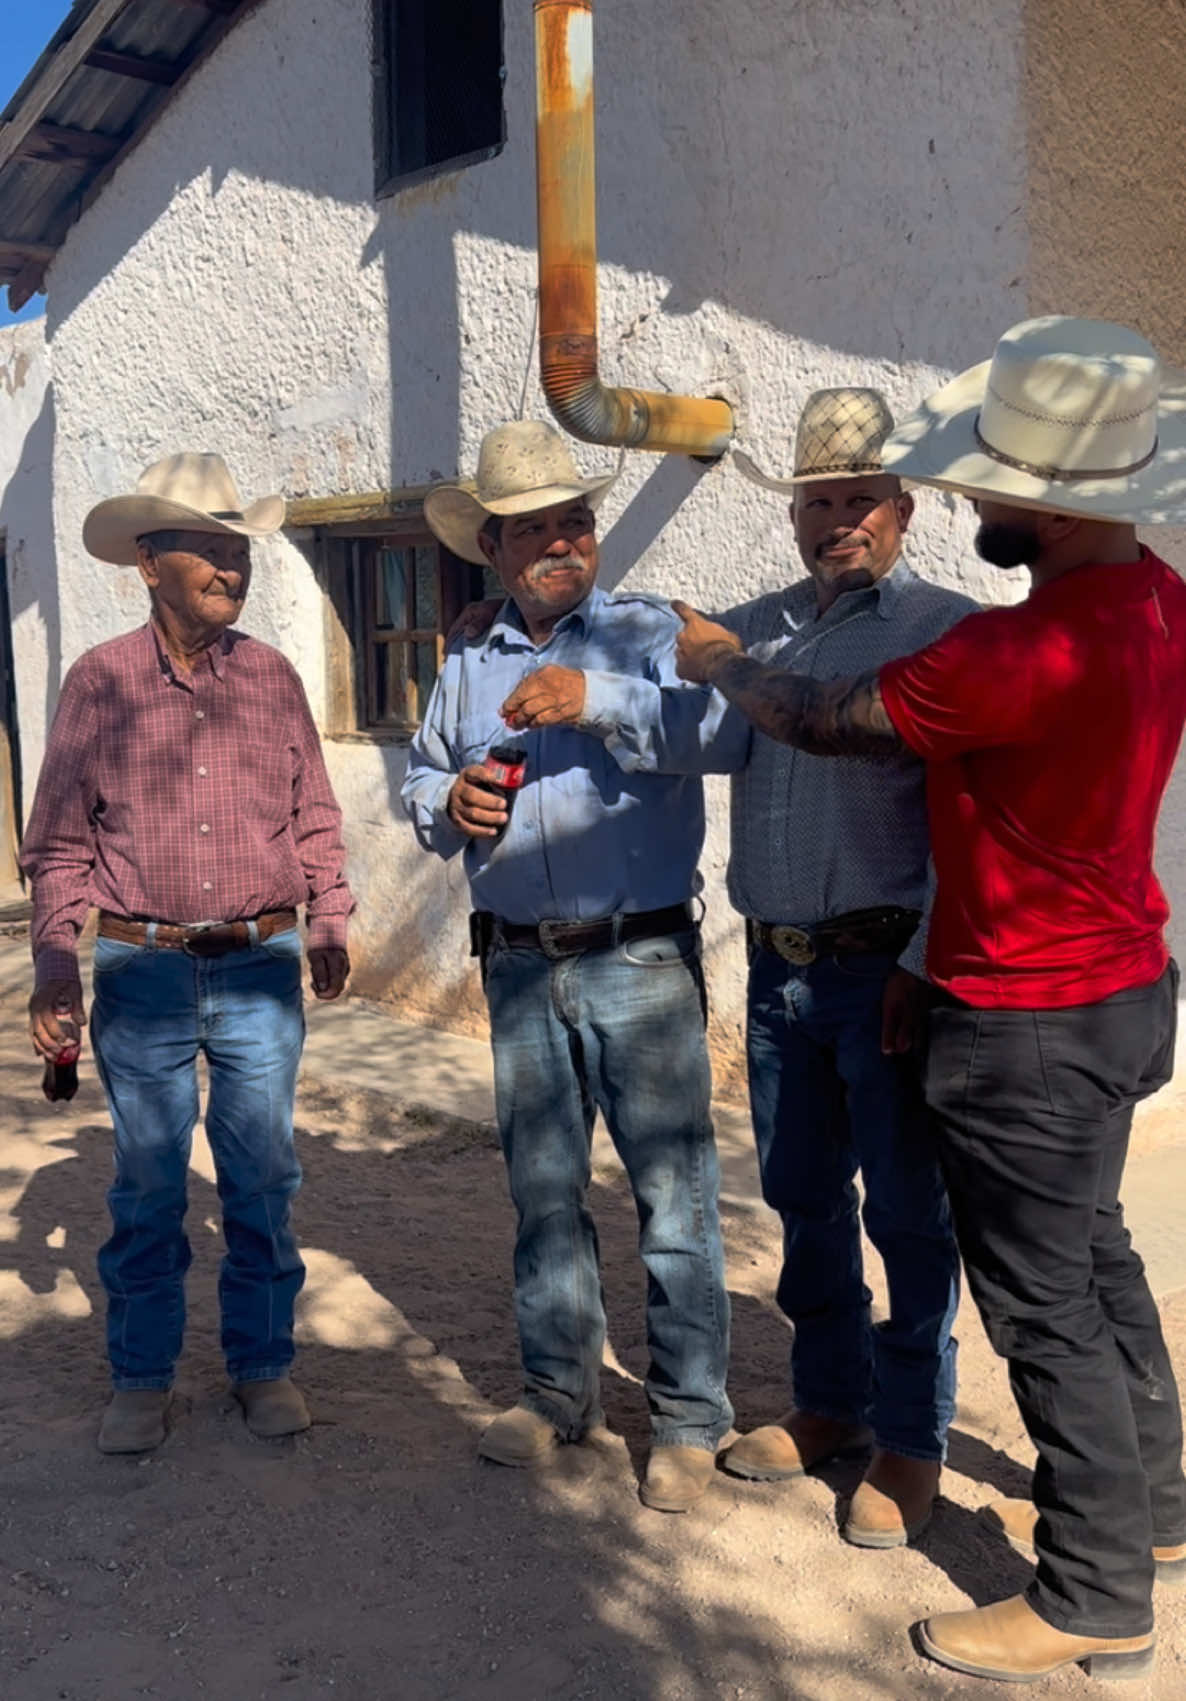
518 1437
134 1422
274 1408
676 1477
1010 1642
894 1502
1017 1520
793 1445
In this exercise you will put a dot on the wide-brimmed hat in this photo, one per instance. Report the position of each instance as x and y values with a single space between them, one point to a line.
840 434
522 466
188 492
1073 415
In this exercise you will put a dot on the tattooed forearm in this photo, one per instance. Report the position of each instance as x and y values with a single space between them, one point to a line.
839 717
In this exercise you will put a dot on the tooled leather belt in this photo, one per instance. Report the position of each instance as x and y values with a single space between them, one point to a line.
888 929
570 938
197 939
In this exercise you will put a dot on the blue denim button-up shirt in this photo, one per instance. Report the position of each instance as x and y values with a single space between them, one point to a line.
587 837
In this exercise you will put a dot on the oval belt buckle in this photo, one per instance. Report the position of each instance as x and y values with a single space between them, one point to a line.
793 945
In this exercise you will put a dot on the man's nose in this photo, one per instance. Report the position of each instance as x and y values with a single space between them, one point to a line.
557 545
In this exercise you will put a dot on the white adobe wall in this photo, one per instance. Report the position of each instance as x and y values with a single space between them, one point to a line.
26 522
790 196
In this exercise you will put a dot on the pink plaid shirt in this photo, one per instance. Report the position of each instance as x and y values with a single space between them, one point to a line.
182 798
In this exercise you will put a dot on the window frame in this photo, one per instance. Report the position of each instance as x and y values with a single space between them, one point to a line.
389 180
345 554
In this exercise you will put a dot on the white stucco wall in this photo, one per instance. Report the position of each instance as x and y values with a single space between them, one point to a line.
778 211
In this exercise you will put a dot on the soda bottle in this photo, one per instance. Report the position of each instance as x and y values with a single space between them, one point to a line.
61 1072
505 768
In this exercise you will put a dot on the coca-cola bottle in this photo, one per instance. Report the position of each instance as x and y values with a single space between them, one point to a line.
60 1080
505 768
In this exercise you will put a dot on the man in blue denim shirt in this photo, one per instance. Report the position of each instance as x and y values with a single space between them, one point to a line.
590 960
828 865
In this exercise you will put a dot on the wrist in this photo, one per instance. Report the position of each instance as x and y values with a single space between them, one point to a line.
717 658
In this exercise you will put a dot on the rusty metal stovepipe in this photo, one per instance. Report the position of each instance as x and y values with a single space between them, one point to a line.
584 406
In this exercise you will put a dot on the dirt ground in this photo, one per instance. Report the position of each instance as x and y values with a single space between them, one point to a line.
375 1557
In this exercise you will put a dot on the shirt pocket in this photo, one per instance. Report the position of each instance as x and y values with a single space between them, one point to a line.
475 735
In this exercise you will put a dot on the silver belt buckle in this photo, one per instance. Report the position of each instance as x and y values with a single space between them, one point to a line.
549 934
793 945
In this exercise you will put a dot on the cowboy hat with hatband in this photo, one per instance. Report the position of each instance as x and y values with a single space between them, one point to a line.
187 493
839 435
1076 416
522 467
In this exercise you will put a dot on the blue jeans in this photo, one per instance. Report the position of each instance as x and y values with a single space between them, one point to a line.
827 1102
621 1030
153 1011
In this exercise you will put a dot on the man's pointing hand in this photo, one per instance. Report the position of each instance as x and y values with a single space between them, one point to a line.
701 646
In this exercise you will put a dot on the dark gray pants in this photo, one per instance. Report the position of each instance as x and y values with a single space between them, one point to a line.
1034 1110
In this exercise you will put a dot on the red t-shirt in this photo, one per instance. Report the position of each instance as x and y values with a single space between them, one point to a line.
1049 730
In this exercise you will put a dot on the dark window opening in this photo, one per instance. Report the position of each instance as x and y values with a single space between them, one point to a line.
438 87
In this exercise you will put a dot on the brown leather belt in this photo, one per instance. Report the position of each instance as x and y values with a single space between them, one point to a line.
197 939
570 938
887 930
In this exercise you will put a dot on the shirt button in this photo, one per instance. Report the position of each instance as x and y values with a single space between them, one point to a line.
199 714
201 773
206 886
203 828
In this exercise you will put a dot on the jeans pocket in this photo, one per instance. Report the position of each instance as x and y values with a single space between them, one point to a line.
286 944
865 965
662 951
112 955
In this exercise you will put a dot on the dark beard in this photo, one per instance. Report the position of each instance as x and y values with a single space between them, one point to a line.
1008 545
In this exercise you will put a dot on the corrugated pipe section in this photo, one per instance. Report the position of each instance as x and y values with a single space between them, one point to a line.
584 406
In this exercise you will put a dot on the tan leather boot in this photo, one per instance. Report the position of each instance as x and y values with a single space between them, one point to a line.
134 1422
676 1478
1010 1642
272 1409
793 1445
518 1437
1017 1520
894 1502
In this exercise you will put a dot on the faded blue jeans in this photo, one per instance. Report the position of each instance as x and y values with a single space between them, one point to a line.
827 1102
153 1012
621 1030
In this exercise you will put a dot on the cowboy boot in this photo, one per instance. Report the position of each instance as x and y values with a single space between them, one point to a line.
1008 1641
894 1501
273 1408
1017 1520
797 1442
518 1437
676 1477
134 1421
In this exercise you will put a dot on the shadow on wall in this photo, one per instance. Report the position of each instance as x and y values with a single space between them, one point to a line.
27 501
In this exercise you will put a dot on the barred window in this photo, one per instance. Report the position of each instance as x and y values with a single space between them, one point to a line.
438 87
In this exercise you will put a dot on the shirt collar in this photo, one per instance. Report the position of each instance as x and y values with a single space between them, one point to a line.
511 633
885 595
217 654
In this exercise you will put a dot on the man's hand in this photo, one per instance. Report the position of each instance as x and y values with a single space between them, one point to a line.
45 1026
701 646
475 620
329 967
903 1009
555 696
474 807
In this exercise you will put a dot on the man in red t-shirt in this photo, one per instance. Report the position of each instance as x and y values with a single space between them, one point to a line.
1049 730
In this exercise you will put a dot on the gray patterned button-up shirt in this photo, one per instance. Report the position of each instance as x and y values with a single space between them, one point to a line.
818 836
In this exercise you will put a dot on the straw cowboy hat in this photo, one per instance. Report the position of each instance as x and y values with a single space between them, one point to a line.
190 493
840 435
1074 415
521 467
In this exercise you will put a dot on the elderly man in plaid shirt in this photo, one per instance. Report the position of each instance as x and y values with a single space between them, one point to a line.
184 794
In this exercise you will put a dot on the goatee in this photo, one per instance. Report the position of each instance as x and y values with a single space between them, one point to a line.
1008 544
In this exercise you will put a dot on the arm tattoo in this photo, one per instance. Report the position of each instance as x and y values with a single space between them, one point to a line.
838 717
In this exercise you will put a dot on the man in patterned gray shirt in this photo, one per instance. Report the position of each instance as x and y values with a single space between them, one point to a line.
829 866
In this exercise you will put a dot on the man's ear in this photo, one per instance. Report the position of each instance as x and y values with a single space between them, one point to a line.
146 561
488 550
905 506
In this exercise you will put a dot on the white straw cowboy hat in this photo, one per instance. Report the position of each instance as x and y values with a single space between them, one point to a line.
840 434
521 467
190 493
1074 415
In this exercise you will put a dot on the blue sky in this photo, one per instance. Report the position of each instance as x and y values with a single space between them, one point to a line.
25 32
